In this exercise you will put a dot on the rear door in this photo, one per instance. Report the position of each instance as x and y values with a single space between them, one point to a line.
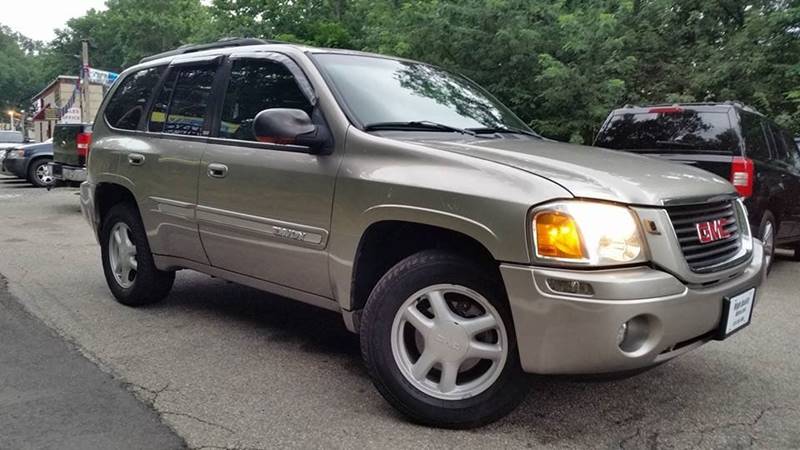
162 157
264 209
702 138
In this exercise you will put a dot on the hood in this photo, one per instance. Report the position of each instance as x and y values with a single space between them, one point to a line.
593 172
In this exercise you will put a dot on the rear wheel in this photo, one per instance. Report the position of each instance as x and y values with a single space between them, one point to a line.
438 340
767 235
128 264
40 173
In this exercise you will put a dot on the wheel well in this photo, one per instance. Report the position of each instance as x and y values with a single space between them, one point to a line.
34 159
384 244
107 195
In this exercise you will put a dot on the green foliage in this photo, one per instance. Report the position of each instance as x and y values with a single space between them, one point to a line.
19 78
561 65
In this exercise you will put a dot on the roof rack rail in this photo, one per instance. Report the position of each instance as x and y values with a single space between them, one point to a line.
222 43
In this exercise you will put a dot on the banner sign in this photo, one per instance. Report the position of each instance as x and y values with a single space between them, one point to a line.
102 77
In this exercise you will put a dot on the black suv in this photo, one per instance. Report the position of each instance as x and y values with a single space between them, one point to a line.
731 140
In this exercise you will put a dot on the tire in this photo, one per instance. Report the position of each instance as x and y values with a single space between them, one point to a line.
768 230
39 174
143 284
385 342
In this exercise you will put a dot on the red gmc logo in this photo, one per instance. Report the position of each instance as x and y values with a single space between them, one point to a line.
712 230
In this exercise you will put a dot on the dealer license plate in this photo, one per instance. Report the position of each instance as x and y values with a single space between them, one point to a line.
737 311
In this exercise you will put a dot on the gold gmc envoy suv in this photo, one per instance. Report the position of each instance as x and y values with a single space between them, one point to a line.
464 248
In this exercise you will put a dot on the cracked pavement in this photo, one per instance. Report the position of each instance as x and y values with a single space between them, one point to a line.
226 366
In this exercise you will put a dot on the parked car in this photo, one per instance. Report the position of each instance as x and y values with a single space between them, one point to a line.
461 245
8 140
730 140
31 162
70 148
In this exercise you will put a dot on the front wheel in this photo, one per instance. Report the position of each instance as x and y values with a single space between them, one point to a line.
128 264
40 174
438 340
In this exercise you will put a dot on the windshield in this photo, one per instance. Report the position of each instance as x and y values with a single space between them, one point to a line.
380 90
678 130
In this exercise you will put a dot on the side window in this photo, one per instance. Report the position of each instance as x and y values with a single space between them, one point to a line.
781 149
182 105
158 115
126 107
256 85
755 139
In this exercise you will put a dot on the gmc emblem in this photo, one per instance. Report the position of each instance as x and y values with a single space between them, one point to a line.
712 230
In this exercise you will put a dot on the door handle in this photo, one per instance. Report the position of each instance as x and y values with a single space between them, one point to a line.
135 159
217 170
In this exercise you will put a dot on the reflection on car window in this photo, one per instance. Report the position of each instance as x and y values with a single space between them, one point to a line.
182 104
381 90
126 108
669 131
256 85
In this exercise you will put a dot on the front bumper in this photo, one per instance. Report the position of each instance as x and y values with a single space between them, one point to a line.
15 166
63 172
563 334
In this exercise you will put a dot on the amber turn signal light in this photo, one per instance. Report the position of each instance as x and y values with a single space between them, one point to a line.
557 236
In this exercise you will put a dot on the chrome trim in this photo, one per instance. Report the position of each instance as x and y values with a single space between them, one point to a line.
687 201
305 235
173 208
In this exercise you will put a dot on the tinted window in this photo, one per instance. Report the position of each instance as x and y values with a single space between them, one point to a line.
126 108
187 94
755 139
671 131
254 86
158 115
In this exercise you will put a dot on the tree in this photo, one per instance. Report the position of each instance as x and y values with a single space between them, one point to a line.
19 77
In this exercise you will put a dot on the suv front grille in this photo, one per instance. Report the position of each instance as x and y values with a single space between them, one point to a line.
702 257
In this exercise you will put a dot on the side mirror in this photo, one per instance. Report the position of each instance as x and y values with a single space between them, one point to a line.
289 126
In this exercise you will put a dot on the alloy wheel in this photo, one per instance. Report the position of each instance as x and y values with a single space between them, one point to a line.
449 342
768 240
44 174
122 255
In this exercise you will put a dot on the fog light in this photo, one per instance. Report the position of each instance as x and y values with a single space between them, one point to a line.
622 333
570 286
633 334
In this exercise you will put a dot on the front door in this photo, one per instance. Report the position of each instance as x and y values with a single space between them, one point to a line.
264 209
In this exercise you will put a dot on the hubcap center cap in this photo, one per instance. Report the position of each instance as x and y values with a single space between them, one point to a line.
450 341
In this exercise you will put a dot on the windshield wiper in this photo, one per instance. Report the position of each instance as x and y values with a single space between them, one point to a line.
424 125
488 130
678 143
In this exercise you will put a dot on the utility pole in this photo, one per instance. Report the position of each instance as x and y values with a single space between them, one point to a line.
84 80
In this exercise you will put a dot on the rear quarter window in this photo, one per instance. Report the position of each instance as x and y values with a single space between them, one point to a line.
755 137
669 131
126 107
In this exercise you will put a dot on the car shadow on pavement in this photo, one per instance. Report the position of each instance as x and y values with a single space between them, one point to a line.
279 319
558 410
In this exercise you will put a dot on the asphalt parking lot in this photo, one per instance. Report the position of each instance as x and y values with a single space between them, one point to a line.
226 366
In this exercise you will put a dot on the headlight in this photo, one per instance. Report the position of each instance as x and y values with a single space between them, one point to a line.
18 153
587 233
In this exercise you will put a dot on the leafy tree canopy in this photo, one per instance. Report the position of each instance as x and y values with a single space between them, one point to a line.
561 65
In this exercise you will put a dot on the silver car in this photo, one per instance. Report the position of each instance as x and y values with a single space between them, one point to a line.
465 249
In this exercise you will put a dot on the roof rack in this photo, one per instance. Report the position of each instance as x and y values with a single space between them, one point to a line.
222 43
